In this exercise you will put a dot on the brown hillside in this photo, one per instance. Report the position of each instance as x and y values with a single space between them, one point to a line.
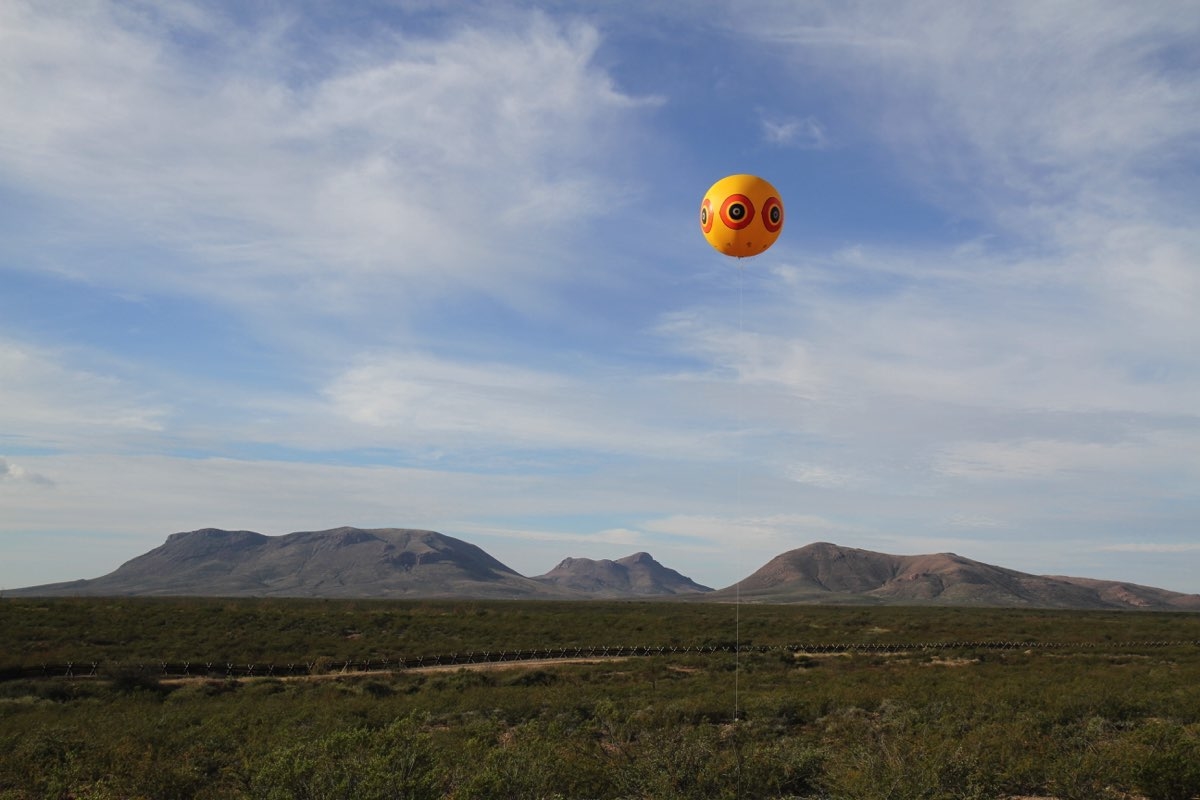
824 572
343 562
638 575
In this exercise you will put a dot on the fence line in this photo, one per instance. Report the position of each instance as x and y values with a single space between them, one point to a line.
325 665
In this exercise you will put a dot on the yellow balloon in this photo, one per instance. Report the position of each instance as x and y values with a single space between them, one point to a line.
741 215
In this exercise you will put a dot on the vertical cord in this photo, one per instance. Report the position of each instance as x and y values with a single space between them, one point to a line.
737 601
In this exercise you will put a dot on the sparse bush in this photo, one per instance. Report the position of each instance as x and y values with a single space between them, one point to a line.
1168 765
1083 722
539 677
131 679
377 689
394 763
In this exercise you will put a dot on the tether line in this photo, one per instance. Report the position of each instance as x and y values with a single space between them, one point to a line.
739 515
740 416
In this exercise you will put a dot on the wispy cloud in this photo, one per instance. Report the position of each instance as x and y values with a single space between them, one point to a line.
10 471
758 534
1032 460
345 187
45 396
438 270
1070 100
1150 547
806 133
413 399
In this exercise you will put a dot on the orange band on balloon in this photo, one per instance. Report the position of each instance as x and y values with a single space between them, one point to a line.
730 215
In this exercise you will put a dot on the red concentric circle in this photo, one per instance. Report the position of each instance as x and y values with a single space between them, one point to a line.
737 211
773 214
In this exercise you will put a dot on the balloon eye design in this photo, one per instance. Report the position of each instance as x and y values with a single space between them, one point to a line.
706 215
773 214
728 212
737 211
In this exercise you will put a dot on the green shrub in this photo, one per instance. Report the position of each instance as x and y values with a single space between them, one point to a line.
1169 761
1073 723
392 763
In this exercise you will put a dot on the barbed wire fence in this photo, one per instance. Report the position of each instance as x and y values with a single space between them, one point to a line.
325 665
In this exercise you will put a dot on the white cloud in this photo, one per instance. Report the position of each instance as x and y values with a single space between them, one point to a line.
1028 460
15 473
413 399
973 521
51 401
1128 460
754 357
437 396
822 476
806 133
95 493
893 386
755 533
361 183
591 539
1044 99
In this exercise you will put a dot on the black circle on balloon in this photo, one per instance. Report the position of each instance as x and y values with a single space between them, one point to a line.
737 211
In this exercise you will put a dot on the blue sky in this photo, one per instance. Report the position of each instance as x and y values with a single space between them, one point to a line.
438 265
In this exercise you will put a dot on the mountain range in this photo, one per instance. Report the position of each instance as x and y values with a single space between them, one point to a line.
353 562
829 573
401 563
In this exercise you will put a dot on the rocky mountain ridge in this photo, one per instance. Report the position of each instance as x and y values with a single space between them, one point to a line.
636 575
824 572
357 562
404 563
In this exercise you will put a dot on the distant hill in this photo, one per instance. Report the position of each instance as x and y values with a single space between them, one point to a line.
638 575
402 563
829 573
343 562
